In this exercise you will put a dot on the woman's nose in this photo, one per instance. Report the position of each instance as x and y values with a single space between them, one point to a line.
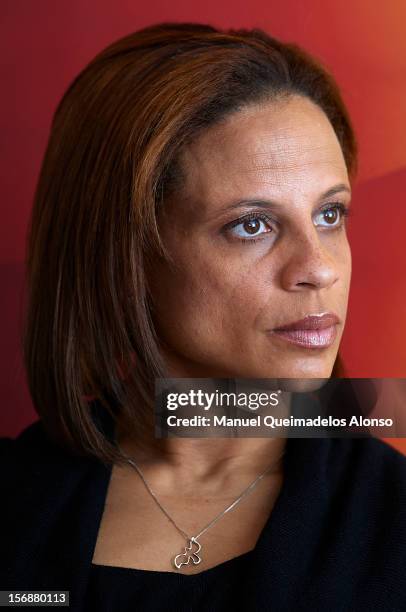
309 265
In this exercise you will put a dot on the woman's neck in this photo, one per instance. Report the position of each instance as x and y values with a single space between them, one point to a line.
201 461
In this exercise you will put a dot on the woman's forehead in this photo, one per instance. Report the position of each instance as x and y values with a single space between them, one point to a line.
271 149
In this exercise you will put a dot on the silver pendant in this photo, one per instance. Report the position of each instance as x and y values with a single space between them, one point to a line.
190 555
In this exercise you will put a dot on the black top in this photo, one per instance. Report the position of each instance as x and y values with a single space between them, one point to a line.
335 539
119 589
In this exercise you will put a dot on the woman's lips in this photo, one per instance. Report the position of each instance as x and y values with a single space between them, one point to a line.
314 331
317 338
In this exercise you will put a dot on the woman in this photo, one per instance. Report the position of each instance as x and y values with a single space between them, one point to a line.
189 222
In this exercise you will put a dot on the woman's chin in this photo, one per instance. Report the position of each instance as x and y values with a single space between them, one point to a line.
301 385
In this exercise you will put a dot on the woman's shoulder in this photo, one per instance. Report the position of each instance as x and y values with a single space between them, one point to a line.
50 498
33 441
363 474
37 475
368 456
369 467
32 435
34 456
367 484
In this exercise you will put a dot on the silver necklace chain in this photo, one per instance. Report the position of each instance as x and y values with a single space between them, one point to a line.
190 554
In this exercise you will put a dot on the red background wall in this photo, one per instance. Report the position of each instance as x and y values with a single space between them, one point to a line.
45 44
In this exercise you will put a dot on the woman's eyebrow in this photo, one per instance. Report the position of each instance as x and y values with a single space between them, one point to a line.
336 189
270 204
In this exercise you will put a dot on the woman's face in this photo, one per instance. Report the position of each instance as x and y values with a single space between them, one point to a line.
258 241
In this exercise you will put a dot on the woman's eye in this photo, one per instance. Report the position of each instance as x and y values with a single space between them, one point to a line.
250 228
331 216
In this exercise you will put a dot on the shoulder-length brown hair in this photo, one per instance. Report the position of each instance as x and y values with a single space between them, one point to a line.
110 160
